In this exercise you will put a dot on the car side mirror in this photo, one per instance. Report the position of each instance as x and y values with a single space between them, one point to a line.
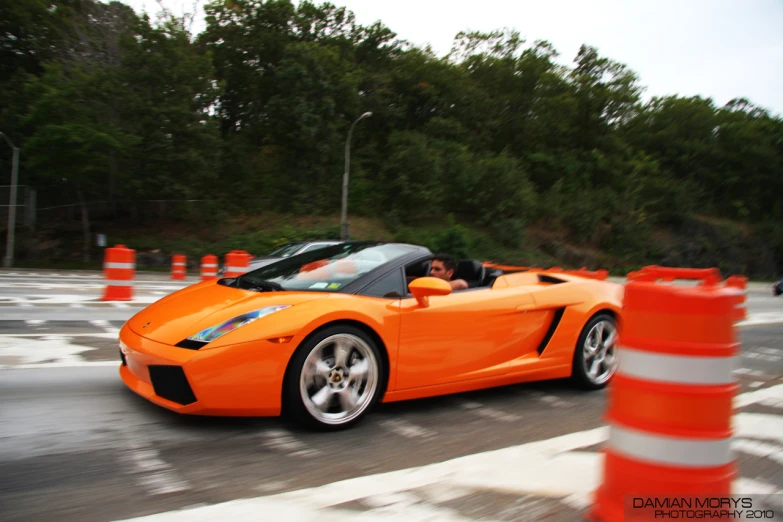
424 287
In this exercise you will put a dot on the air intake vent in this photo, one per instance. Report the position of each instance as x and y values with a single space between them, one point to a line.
542 278
170 383
191 344
551 331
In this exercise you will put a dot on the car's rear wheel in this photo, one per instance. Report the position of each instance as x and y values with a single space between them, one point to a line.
335 378
595 357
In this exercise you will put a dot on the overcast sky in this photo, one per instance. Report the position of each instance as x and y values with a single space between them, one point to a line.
714 48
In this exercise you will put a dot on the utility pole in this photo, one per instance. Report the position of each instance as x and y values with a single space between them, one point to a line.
8 261
344 221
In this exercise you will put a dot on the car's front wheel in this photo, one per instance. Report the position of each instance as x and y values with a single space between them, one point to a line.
334 379
595 358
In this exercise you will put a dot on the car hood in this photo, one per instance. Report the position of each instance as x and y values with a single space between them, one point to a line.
188 311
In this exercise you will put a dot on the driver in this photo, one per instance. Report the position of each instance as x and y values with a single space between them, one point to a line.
443 266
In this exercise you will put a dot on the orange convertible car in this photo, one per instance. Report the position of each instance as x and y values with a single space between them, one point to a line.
324 335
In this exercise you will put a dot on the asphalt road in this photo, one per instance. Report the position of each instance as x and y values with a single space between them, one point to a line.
76 445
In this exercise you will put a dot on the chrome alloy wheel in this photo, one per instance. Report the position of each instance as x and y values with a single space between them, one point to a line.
600 355
339 379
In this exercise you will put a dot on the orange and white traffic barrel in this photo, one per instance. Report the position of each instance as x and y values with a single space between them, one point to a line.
119 271
178 266
237 262
670 403
209 267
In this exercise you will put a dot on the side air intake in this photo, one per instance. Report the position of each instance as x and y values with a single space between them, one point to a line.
551 331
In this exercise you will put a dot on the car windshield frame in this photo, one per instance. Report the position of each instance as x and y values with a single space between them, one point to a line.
333 269
289 249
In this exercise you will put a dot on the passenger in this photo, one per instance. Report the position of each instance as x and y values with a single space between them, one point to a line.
443 266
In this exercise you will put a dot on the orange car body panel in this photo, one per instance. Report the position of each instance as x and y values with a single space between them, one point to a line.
459 342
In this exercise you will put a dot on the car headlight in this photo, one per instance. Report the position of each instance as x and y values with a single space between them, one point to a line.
208 335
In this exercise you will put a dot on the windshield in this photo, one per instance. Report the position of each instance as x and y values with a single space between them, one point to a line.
287 250
327 269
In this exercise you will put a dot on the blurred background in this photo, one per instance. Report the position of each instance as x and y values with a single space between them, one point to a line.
199 127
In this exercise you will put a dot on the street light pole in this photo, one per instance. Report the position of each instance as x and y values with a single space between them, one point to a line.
344 219
9 246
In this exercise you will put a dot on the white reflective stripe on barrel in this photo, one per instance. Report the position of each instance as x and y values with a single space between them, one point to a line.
681 369
208 265
114 282
675 451
237 268
178 264
119 265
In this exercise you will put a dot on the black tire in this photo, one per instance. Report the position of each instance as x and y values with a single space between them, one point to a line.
580 374
298 408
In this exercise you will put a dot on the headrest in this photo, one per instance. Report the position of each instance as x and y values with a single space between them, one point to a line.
418 270
469 270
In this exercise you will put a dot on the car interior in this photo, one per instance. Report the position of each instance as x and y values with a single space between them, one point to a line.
472 271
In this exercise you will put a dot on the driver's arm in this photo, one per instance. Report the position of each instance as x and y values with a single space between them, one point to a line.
458 284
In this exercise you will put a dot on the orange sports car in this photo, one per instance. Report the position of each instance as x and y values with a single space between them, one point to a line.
324 335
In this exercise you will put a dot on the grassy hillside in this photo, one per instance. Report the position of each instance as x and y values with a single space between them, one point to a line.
700 241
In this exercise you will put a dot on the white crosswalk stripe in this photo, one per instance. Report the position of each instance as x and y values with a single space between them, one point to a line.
538 473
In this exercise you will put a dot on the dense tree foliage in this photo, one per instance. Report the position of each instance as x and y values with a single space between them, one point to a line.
255 110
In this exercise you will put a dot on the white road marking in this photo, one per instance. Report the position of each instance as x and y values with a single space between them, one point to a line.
108 328
406 429
772 403
46 352
489 413
549 399
155 476
60 365
759 318
548 468
283 440
34 322
441 493
756 384
754 397
770 351
105 335
756 486
70 299
759 449
272 487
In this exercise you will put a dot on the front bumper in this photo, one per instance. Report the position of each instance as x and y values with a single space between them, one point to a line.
239 380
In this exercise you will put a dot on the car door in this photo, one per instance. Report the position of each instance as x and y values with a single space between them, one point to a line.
465 335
